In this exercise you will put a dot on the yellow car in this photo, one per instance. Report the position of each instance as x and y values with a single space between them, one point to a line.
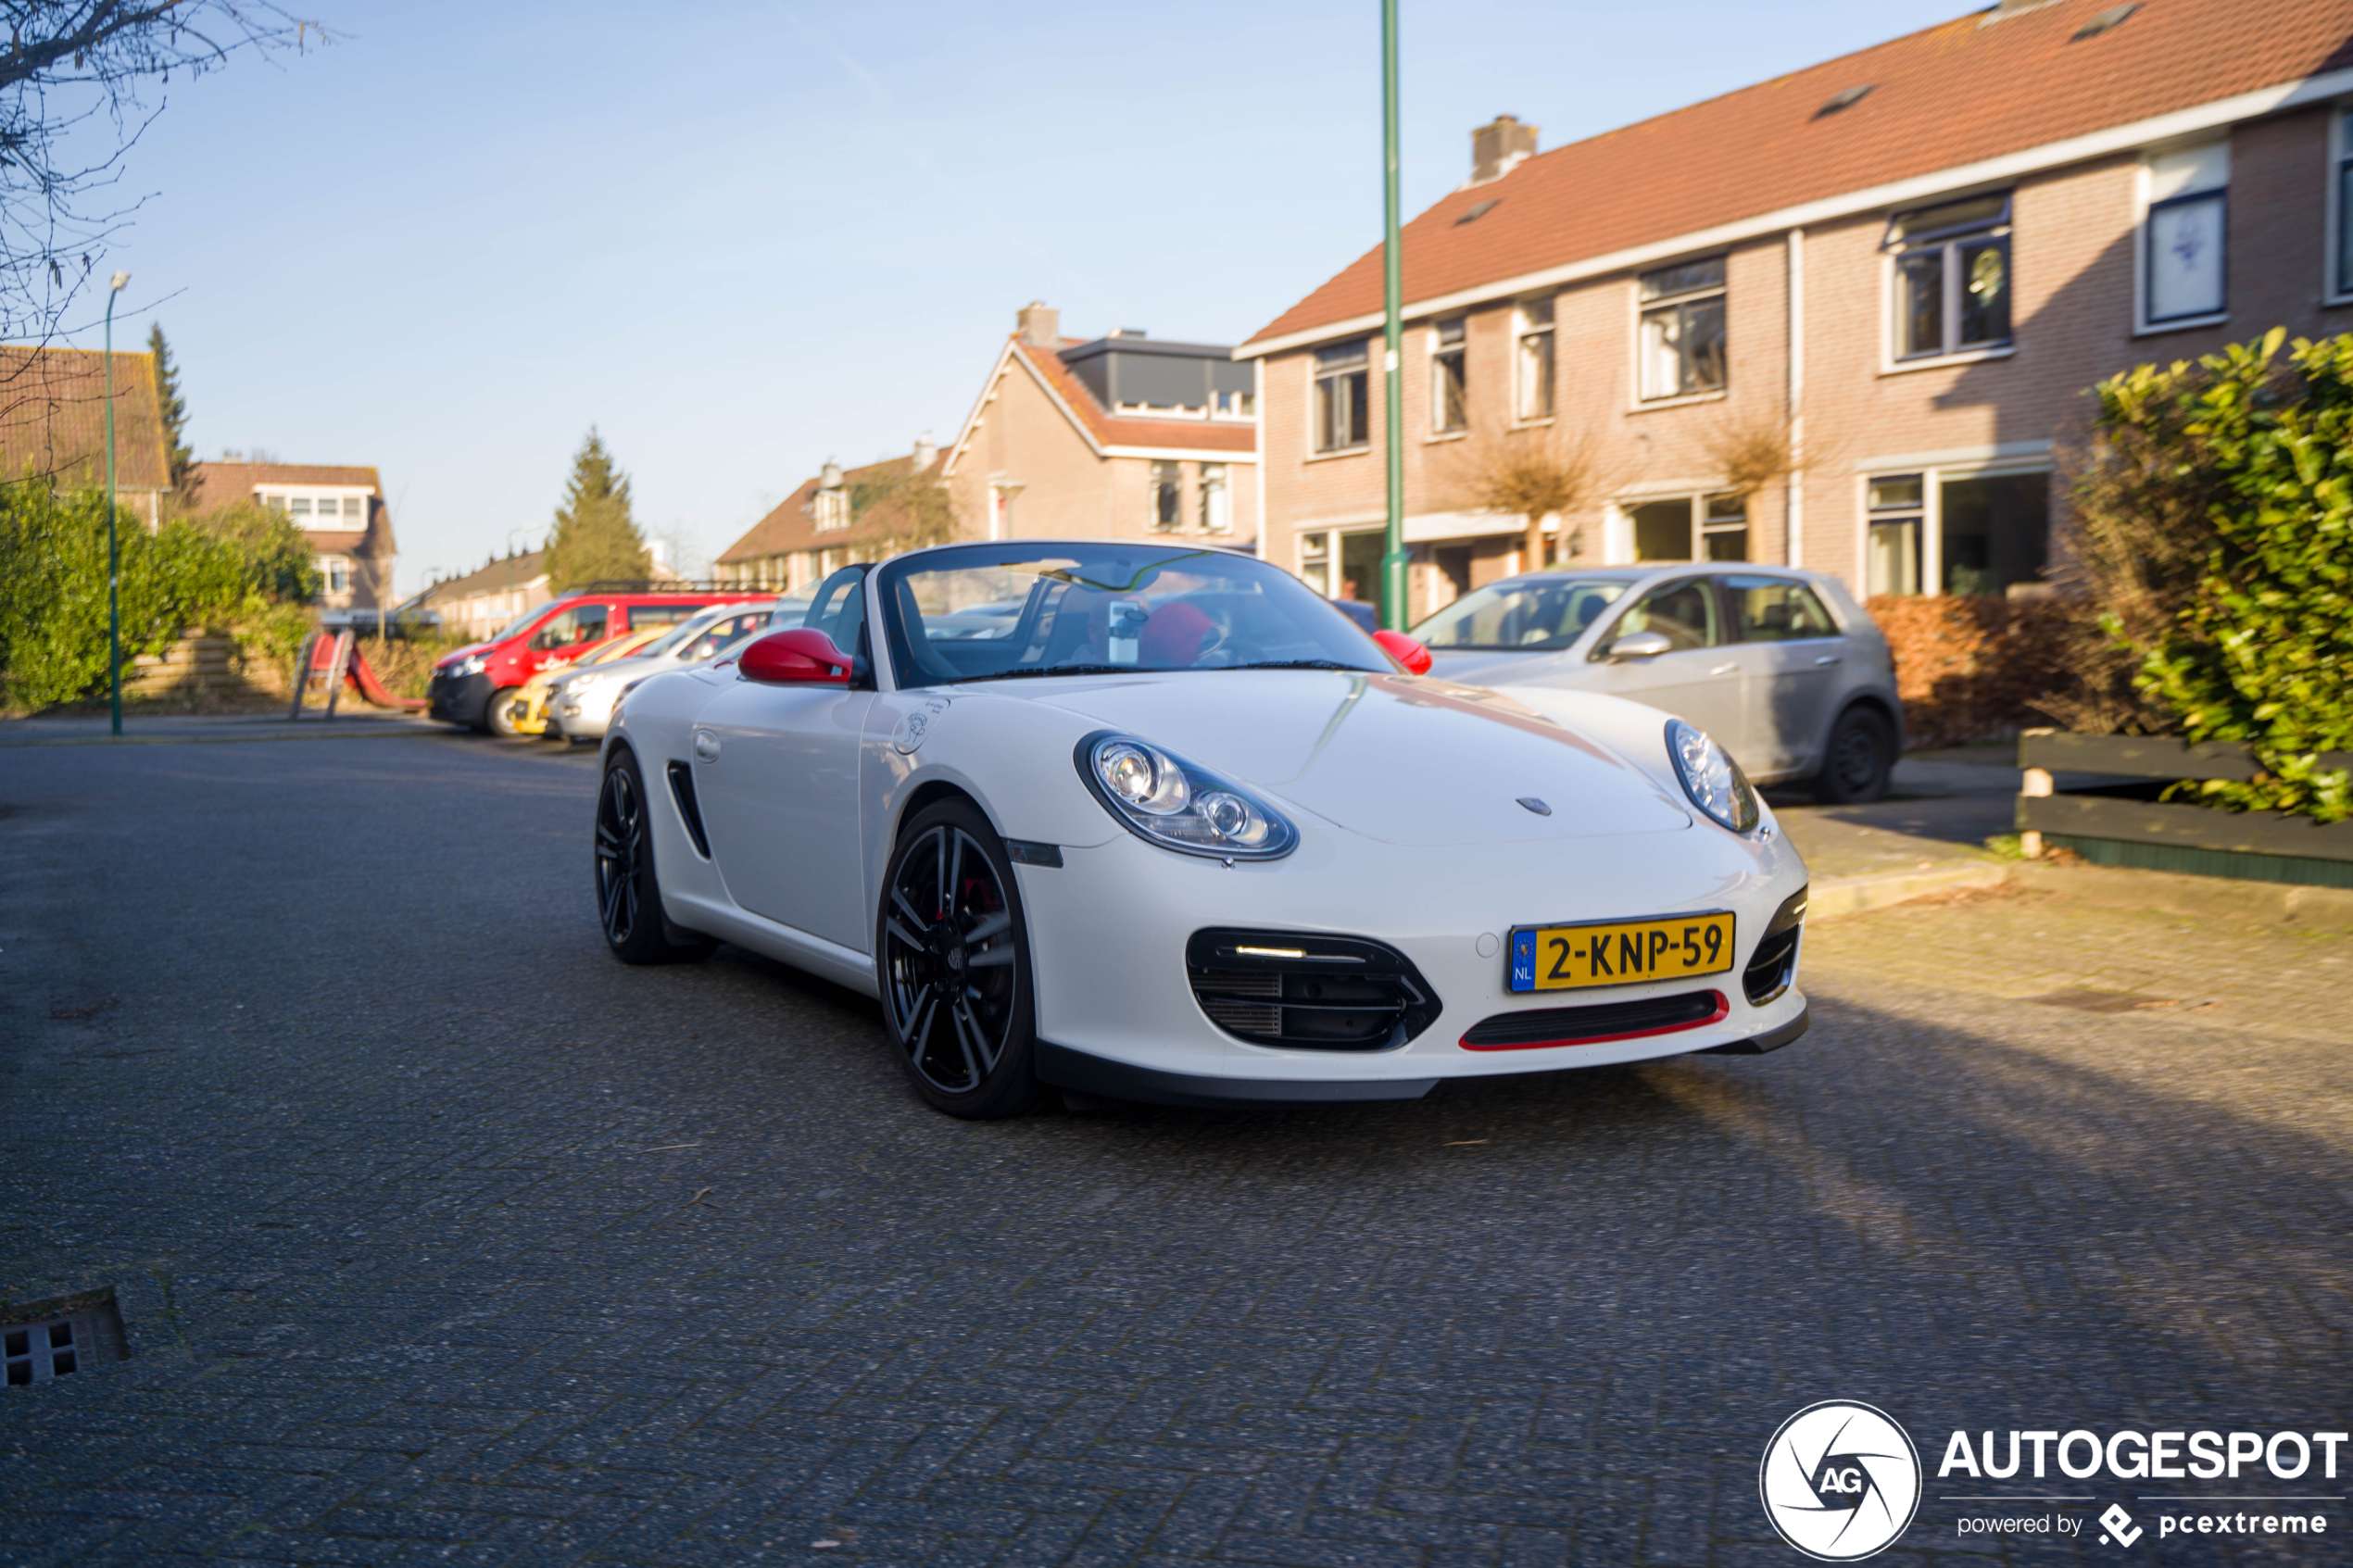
528 703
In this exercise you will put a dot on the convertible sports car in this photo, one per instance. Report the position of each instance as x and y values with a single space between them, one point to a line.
1158 823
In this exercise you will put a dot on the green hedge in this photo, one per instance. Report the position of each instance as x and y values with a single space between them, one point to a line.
2261 652
53 561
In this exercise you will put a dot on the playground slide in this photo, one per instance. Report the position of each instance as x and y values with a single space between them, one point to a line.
323 649
373 689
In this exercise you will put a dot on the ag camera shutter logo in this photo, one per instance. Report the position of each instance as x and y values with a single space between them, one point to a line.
1840 1481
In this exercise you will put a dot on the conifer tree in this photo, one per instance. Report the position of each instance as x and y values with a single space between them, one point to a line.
175 411
595 539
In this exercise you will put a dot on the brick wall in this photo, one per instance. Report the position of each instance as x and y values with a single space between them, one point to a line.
2072 273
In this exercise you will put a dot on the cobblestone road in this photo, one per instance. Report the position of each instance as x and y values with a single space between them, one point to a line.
441 1238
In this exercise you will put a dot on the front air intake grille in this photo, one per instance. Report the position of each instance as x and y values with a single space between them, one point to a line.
1774 964
1592 1025
1315 993
682 789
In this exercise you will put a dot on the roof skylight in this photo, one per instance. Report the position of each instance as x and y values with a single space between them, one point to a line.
1476 210
2106 21
1843 100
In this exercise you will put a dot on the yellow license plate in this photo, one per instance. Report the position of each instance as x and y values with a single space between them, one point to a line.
1562 958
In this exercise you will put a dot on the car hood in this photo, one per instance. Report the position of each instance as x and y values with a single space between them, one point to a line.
1402 758
1494 667
459 656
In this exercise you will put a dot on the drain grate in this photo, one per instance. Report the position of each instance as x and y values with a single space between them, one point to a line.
41 1341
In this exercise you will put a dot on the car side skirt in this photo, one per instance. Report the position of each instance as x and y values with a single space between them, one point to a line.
731 922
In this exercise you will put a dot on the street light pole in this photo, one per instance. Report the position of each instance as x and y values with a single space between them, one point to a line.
1393 330
114 555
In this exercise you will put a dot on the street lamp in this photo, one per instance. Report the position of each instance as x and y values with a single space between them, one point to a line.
114 557
1392 331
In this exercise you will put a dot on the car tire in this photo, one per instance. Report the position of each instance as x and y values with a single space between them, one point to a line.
628 896
499 713
1856 762
952 960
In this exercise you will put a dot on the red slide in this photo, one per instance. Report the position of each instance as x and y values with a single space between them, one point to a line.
372 689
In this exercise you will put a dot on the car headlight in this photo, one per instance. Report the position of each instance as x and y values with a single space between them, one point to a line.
1179 804
1711 778
575 685
469 667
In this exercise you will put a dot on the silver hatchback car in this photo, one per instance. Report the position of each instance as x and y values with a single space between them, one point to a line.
1780 665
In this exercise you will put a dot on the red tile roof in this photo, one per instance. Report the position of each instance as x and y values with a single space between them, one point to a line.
495 578
1976 88
52 419
1128 430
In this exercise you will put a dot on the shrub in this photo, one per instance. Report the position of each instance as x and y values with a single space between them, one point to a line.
53 618
1972 668
2243 628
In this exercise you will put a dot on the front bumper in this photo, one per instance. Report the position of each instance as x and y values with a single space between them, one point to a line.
1109 929
459 699
587 715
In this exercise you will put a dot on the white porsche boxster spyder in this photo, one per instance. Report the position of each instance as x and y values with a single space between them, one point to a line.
1154 822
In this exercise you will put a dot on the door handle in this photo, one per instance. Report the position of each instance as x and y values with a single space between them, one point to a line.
1725 670
1828 658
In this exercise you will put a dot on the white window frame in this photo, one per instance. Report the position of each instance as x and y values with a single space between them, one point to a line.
1890 254
2143 205
1620 542
1170 477
1524 327
1215 498
2334 259
1642 308
1933 477
279 498
830 510
1316 374
1439 347
1330 540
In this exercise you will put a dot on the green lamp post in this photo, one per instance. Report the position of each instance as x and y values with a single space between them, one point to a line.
114 554
1392 599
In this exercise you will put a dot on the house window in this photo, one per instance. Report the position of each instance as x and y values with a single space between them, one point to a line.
1700 527
1316 562
1447 405
2183 245
832 509
1992 531
2345 203
1535 366
1168 496
338 574
299 505
1344 395
1892 553
1682 330
1233 405
1216 502
1952 277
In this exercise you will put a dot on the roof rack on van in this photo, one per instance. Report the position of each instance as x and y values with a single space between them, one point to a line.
650 585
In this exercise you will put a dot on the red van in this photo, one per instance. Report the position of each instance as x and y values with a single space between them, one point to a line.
561 629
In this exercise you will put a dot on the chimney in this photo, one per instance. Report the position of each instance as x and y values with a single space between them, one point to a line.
925 452
1040 326
1497 148
829 477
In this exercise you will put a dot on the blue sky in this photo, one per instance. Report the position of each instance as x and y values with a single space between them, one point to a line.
742 238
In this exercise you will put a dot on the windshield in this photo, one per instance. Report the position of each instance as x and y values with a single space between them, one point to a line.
989 612
517 624
1526 614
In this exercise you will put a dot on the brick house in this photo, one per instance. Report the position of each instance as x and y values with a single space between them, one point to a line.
835 517
1121 437
1900 267
480 602
53 425
340 511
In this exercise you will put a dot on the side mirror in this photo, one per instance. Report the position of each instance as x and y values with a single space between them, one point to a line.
1641 644
803 657
1407 652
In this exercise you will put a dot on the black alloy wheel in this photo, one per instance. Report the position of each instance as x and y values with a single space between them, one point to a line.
1860 756
955 966
628 899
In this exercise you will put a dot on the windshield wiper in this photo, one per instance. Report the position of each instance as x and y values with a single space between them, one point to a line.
1024 672
1304 664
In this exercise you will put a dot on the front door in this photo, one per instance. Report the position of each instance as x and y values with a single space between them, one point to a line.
1698 680
1790 653
777 782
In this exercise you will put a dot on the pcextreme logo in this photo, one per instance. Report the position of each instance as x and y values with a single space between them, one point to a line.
1840 1481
